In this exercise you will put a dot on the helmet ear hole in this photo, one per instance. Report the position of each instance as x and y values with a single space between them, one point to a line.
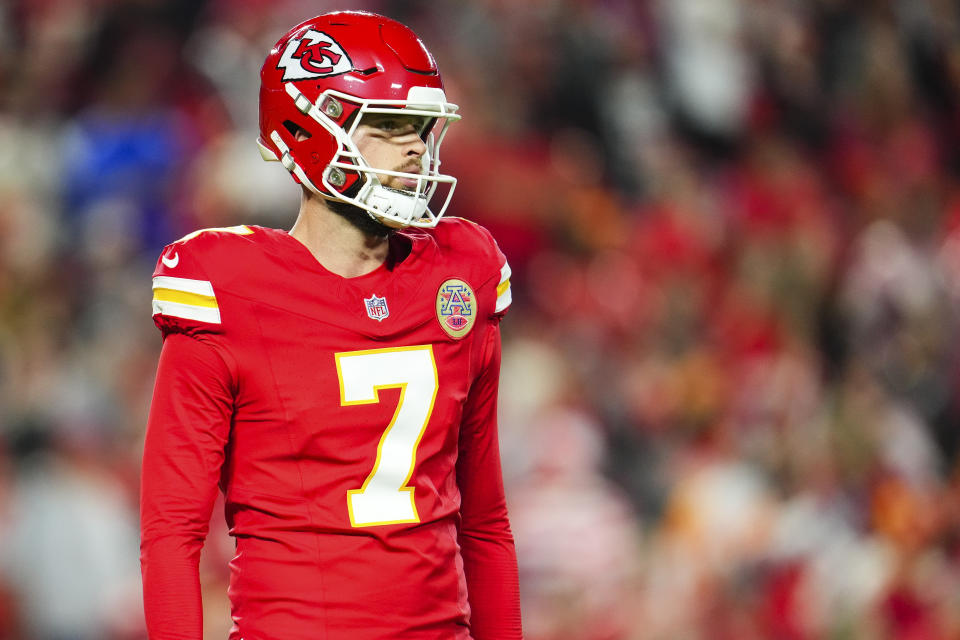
296 130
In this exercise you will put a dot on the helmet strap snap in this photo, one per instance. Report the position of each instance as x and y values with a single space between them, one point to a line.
336 177
332 107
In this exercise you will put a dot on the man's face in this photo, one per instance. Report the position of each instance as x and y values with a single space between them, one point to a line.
388 141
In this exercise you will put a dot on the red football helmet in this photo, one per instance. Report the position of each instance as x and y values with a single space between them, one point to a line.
321 77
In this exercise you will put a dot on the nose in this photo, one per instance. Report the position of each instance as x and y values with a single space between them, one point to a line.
416 147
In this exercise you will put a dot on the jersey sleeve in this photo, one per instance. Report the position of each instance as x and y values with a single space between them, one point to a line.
486 541
186 438
184 450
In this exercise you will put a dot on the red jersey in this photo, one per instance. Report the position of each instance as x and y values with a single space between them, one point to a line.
351 425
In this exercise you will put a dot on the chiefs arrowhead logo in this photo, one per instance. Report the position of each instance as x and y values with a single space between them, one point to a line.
315 55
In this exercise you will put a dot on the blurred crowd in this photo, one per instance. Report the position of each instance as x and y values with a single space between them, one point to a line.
729 404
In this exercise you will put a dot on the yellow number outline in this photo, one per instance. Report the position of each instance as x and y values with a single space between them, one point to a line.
392 379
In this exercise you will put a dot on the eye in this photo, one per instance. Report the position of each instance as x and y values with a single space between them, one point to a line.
399 125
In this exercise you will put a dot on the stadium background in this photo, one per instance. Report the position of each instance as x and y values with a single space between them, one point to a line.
729 399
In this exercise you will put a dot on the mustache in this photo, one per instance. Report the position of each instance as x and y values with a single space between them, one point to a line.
411 167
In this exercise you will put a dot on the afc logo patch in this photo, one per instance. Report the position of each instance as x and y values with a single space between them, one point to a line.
456 307
315 55
377 307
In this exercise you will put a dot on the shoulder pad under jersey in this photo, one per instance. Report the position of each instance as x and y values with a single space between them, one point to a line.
184 294
475 242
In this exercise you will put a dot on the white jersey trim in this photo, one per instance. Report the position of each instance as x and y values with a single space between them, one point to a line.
187 285
504 297
187 311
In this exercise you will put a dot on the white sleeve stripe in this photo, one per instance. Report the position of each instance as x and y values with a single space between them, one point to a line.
503 301
504 273
200 287
187 311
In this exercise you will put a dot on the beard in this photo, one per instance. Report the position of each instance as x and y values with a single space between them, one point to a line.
359 218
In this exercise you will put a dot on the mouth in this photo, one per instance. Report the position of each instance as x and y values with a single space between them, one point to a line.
410 183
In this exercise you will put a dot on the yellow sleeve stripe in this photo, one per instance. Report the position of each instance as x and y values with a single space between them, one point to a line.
183 297
503 286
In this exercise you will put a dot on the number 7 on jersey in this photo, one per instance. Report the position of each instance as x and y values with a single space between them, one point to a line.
385 497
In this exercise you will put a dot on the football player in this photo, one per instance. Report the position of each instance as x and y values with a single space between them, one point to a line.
338 382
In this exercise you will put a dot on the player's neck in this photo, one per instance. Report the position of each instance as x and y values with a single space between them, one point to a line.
337 244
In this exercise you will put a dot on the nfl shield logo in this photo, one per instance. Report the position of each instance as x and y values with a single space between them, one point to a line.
376 307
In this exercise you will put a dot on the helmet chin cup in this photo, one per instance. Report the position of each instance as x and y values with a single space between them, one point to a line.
393 207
